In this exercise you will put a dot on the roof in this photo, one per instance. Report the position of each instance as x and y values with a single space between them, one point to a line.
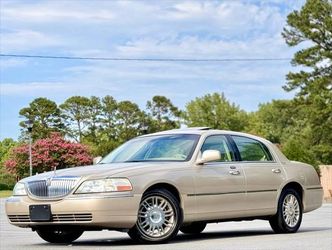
201 131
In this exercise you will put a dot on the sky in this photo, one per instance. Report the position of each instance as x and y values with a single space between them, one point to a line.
141 29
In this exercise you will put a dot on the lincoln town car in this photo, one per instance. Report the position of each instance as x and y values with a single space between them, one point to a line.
156 185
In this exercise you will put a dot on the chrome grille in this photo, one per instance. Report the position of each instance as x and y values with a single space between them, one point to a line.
53 187
55 217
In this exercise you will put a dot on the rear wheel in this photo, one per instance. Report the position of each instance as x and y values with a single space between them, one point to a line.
58 235
193 228
159 217
289 215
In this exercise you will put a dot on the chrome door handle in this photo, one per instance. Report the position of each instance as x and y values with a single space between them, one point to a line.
276 170
234 172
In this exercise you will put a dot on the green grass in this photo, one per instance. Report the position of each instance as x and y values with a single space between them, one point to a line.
5 193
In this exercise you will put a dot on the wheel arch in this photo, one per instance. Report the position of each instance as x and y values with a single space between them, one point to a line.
295 186
169 187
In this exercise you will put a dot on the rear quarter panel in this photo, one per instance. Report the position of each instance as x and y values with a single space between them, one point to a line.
307 177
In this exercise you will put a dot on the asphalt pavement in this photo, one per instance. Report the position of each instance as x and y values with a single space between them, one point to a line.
314 233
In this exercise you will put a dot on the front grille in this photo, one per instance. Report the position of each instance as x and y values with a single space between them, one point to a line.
53 187
55 218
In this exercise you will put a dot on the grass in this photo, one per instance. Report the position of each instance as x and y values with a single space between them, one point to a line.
5 193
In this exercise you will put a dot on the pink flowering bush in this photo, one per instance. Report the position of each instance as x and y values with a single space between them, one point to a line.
47 154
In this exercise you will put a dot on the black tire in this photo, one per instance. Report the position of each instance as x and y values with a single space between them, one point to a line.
193 228
278 221
58 235
138 233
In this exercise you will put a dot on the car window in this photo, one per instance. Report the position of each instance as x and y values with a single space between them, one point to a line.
251 150
220 143
178 147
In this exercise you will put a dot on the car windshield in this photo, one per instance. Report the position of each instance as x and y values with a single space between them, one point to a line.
179 147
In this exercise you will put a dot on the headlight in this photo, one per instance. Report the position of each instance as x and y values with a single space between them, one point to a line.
105 185
19 189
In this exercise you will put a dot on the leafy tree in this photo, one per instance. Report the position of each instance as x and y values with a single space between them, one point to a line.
296 149
313 25
45 116
108 119
277 120
93 120
47 153
76 114
107 136
5 146
7 181
130 120
215 111
164 115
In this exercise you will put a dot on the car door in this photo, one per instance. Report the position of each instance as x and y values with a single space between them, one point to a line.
263 173
219 185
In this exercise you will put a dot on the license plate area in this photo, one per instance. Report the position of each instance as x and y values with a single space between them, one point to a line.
40 213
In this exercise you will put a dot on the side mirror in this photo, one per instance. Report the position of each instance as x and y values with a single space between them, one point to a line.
96 160
209 155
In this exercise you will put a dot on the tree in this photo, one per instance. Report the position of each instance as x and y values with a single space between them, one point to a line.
7 181
277 120
75 112
93 120
313 24
130 120
108 119
45 116
107 136
5 146
47 154
164 115
296 149
215 111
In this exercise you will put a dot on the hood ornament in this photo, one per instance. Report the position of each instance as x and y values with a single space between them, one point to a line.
49 180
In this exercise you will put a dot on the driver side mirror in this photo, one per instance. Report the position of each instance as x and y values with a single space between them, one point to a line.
209 155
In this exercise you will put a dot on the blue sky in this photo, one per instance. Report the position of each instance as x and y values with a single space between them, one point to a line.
141 29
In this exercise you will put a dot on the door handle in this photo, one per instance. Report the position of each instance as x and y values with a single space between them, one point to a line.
276 170
234 172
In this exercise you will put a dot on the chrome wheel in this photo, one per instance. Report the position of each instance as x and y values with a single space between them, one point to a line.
156 217
291 210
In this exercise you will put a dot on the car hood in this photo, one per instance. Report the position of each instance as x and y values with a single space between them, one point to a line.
99 170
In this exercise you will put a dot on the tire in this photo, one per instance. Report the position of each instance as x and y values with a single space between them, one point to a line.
58 235
289 215
159 218
193 228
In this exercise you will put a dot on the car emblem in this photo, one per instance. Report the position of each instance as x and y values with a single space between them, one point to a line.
49 181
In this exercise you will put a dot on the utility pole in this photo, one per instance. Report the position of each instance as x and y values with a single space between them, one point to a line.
29 125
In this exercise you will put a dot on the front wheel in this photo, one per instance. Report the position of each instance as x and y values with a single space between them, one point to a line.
58 235
159 217
289 215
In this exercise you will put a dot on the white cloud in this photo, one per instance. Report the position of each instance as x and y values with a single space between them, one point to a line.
53 88
27 40
54 11
153 29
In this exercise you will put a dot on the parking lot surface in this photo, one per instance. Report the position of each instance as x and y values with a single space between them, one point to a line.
315 233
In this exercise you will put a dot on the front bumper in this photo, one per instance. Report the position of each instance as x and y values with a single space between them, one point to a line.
112 211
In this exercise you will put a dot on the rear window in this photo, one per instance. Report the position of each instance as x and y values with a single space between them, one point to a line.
251 150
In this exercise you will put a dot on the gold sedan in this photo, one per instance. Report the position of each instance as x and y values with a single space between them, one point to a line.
155 185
